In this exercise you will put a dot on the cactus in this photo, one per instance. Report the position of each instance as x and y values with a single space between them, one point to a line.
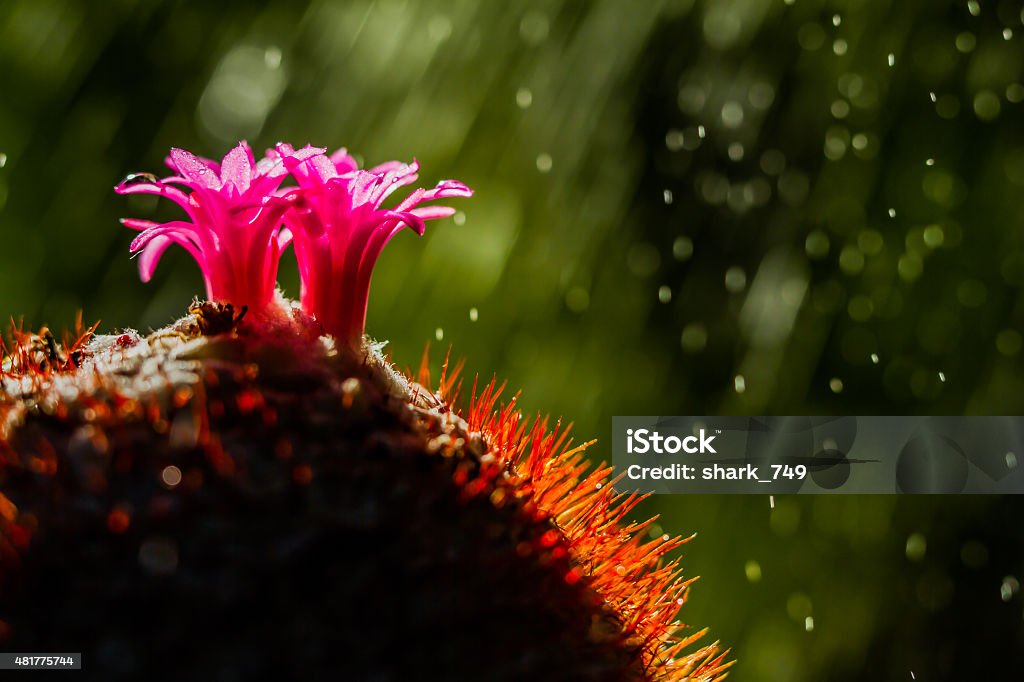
241 496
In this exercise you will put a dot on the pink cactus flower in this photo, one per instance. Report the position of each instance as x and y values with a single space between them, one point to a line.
340 228
234 227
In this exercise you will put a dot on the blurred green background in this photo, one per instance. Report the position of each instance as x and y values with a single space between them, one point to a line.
732 206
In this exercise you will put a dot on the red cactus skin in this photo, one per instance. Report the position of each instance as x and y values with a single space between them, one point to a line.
176 483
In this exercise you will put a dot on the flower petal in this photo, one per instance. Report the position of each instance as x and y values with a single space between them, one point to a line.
237 168
432 212
193 169
343 162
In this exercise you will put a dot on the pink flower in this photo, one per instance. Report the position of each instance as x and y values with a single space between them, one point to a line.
234 221
340 229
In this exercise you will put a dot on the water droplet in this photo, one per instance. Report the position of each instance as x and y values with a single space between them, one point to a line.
973 7
933 97
675 140
839 47
139 178
892 212
874 358
1007 33
171 476
942 377
524 98
929 162
474 314
752 569
544 162
1009 588
439 334
700 132
459 218
809 623
667 196
836 384
892 59
739 383
840 108
916 547
735 151
735 279
3 159
682 248
771 501
665 293
1011 460
272 57
966 42
836 20
732 114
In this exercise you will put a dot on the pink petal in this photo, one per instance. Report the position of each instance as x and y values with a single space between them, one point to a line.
386 167
150 255
343 162
432 212
186 230
138 224
192 168
237 168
